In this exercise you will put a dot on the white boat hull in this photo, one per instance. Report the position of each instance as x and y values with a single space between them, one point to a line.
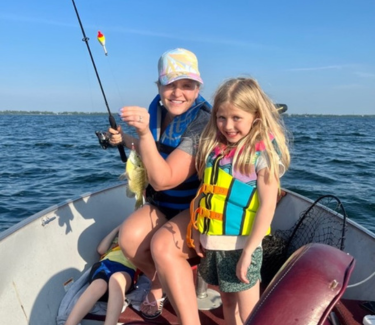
42 253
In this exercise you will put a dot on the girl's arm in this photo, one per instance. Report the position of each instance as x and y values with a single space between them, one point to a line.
106 242
267 204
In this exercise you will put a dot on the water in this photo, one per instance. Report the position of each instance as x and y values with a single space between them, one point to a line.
47 159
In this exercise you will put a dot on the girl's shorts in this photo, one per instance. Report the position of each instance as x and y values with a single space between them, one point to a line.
104 270
219 268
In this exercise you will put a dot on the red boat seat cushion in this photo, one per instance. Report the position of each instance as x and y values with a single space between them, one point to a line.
306 288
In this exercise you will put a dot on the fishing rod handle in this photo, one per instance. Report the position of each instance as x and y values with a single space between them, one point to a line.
120 147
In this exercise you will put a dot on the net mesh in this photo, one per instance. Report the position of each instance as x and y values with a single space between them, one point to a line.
318 224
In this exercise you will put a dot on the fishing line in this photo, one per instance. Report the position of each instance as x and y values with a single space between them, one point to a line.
108 62
112 121
114 79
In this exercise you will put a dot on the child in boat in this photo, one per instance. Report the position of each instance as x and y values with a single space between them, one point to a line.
110 279
242 154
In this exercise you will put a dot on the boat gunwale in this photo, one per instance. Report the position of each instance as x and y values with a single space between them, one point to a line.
51 209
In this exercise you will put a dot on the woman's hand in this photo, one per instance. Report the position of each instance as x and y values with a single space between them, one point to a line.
136 116
116 136
242 267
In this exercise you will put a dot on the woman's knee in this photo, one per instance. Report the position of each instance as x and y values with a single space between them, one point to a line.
135 234
128 241
168 242
159 245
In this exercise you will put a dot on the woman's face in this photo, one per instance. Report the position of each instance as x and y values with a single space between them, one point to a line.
233 123
179 96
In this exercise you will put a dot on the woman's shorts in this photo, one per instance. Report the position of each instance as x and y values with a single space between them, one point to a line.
105 269
219 268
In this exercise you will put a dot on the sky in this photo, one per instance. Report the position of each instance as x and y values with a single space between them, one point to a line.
318 57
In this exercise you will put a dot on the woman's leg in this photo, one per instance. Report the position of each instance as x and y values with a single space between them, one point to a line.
119 283
170 254
135 238
86 301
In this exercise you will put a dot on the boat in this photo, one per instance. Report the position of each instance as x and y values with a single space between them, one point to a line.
43 255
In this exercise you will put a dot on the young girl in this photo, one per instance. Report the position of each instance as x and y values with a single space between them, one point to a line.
109 279
242 154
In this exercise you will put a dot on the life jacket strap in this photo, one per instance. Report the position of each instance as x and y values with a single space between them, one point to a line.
214 189
206 213
193 222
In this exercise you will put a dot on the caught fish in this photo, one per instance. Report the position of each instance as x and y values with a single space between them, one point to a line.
136 175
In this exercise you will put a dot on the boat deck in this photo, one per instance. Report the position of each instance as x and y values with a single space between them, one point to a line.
133 317
348 312
345 312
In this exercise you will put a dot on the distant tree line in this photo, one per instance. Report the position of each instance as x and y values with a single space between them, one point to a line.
7 112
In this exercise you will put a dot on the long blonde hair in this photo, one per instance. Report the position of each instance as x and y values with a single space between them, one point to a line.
246 94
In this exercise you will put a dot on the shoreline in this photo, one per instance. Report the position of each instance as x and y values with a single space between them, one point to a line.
106 113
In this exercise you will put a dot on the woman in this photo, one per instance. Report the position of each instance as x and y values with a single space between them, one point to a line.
168 136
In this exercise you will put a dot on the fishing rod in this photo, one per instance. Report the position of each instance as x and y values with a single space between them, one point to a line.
103 141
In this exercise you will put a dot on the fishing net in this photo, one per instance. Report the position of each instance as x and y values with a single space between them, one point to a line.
323 222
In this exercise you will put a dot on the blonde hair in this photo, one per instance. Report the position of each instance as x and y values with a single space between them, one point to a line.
246 94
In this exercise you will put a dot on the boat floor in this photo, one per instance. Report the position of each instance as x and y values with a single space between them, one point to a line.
131 316
347 312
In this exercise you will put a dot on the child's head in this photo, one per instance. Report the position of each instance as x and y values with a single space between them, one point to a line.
243 115
243 94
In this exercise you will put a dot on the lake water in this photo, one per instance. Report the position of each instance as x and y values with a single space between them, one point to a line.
47 159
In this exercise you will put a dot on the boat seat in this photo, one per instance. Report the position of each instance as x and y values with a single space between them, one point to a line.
306 288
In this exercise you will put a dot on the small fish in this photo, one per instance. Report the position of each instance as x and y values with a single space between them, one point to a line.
136 175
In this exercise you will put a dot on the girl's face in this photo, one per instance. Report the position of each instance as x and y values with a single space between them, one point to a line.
233 123
179 96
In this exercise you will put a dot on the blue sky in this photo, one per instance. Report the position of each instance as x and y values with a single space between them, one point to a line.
315 56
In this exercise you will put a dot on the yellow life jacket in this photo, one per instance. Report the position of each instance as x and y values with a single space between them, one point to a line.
223 205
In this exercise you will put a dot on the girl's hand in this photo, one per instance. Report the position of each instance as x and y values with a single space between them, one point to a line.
116 136
136 116
242 267
197 243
